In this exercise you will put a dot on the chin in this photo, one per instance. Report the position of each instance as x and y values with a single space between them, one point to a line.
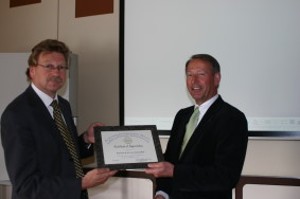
54 89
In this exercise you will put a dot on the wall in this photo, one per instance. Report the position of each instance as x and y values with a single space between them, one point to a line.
95 40
273 158
22 27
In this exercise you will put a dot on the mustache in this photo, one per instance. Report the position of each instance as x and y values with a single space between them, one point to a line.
55 79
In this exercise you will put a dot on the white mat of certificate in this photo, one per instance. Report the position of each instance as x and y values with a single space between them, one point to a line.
130 146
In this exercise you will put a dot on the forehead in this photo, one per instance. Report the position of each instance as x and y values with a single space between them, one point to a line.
197 64
57 56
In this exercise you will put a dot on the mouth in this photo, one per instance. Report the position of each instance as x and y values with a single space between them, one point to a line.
196 88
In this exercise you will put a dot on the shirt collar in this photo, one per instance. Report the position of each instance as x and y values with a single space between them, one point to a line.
205 106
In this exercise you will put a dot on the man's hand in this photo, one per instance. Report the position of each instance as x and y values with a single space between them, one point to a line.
89 134
160 169
96 177
159 197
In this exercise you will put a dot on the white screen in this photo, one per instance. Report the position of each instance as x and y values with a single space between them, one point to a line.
257 43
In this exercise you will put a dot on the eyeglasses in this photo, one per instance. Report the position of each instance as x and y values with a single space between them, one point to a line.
51 67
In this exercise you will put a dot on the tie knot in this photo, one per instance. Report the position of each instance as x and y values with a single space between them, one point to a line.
196 111
54 104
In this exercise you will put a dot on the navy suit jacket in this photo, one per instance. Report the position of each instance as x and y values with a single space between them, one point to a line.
37 160
212 161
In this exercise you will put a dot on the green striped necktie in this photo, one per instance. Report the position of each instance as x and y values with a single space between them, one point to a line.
190 127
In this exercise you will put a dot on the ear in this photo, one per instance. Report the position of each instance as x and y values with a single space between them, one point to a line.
217 79
31 71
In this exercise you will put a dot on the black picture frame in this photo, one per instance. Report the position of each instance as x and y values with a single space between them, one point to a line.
116 146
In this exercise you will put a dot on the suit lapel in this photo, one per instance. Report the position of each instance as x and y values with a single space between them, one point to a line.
181 129
204 124
40 110
42 115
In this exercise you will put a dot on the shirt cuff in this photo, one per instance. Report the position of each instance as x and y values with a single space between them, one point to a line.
164 194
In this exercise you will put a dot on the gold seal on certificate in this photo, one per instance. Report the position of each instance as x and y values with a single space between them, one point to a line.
127 147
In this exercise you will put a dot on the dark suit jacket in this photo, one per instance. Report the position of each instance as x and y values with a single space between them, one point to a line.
37 160
212 162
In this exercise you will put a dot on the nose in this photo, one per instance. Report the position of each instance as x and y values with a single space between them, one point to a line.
195 77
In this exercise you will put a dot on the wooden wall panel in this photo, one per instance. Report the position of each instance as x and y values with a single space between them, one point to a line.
93 7
15 3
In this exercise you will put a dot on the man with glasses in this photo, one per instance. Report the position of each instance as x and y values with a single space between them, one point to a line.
42 152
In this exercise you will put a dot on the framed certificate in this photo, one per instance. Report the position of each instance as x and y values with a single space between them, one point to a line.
127 147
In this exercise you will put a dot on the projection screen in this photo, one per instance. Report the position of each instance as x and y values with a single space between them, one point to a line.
257 43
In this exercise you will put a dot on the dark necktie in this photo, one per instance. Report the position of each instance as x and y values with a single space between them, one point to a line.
66 135
190 127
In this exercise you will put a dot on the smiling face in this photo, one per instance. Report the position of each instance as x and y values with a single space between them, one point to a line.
202 82
49 81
